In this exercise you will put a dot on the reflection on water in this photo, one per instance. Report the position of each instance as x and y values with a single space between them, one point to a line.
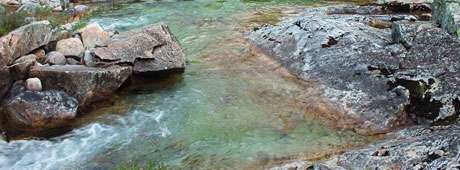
232 108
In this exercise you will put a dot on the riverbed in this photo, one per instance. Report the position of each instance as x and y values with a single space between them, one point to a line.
233 108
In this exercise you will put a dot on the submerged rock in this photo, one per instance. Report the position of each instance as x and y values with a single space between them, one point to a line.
417 148
368 76
86 84
414 148
35 110
149 50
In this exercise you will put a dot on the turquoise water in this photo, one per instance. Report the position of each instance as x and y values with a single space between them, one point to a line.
232 108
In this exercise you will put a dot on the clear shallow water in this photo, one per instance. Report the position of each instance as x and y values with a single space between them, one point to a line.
232 108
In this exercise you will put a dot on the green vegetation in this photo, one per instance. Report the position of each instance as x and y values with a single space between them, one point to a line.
15 20
10 22
79 25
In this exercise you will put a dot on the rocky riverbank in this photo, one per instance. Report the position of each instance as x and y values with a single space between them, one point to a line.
384 66
50 76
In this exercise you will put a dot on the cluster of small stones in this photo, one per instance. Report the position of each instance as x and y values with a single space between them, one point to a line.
70 51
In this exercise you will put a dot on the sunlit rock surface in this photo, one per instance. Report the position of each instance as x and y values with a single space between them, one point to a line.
369 77
149 50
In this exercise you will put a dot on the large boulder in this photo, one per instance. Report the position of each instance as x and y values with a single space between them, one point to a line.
70 47
447 14
149 50
37 110
86 84
364 74
24 40
94 36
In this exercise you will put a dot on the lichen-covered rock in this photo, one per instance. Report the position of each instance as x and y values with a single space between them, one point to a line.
55 58
447 14
150 49
86 84
37 110
369 78
24 40
70 47
413 148
416 148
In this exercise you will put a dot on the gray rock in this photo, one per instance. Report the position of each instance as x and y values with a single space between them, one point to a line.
384 7
81 9
86 84
374 83
33 84
36 110
150 50
72 61
70 47
89 59
404 6
24 40
447 14
6 80
397 36
20 68
94 36
415 148
55 58
351 9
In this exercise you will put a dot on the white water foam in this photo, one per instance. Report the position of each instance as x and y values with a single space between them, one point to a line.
72 150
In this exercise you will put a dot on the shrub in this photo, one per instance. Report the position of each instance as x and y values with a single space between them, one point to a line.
10 22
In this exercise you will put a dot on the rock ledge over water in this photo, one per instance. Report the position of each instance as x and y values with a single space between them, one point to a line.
380 78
